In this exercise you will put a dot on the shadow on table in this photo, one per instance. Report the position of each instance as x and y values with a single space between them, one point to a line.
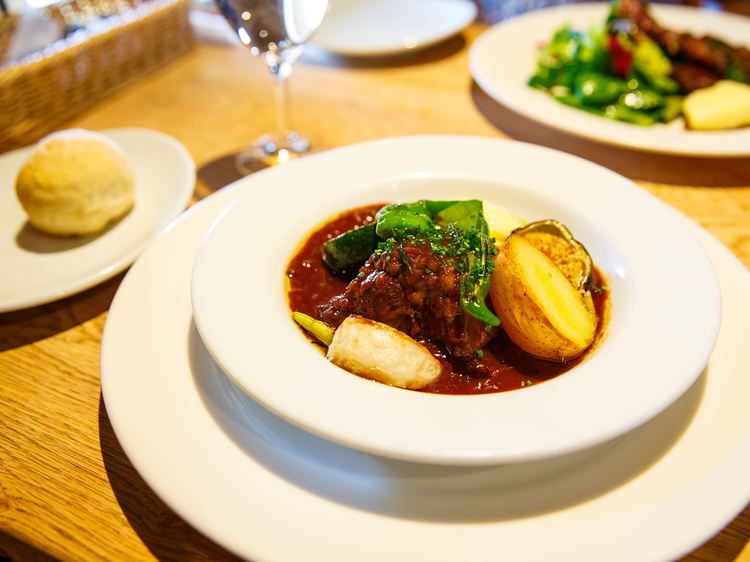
634 164
218 173
15 550
222 171
22 327
165 534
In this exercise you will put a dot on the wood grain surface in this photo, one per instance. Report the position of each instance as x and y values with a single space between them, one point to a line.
67 490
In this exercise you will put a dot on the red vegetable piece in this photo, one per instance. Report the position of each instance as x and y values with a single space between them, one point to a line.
622 58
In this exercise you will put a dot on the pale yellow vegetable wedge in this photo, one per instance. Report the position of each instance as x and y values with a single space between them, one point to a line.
539 309
725 105
376 351
500 222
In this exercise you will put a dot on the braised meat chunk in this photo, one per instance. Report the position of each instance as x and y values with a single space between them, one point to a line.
412 288
698 62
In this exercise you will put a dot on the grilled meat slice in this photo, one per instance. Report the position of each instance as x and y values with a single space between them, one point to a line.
693 77
698 62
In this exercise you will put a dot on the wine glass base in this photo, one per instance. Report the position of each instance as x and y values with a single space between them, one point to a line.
271 150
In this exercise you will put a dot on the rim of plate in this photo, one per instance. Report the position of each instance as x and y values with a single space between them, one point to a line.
416 25
658 342
504 78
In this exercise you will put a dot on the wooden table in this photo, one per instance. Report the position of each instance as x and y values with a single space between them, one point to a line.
67 490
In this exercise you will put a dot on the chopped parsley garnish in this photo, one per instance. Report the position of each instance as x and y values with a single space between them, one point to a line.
453 229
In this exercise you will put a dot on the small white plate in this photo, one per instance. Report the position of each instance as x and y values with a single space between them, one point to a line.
503 58
250 481
36 268
385 27
658 341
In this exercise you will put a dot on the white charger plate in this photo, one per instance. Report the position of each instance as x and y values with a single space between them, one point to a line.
386 27
503 58
250 481
658 340
36 268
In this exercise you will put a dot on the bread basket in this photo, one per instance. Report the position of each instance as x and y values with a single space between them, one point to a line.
42 91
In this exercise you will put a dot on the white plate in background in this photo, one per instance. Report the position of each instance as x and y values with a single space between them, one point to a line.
659 338
386 27
250 481
36 268
503 58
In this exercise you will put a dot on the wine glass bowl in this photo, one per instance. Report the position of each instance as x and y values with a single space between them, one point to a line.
277 31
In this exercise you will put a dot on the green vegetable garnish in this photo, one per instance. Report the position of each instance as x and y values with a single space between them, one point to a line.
453 228
350 248
322 331
606 72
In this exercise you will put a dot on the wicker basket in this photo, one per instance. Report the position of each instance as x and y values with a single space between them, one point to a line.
42 91
7 27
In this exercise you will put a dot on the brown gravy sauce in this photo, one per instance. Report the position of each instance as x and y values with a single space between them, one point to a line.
504 366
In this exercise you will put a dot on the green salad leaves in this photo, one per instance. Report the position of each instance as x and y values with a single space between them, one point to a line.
603 71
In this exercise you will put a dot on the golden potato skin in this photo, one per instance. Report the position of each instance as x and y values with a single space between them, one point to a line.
538 307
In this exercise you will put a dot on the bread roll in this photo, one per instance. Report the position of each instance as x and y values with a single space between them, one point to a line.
75 182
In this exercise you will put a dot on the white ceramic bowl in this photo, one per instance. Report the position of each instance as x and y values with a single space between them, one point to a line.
666 303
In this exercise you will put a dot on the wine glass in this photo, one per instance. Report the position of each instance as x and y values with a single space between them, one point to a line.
277 31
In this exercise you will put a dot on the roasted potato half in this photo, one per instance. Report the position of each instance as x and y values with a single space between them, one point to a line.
539 308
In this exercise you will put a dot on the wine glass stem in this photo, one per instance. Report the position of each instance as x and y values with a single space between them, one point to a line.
280 75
